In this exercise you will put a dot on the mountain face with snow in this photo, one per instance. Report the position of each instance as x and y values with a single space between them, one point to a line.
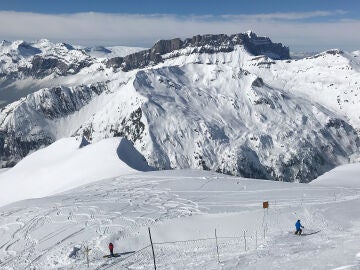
21 59
25 124
233 104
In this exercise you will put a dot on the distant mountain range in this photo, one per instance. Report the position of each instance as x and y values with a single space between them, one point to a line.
234 104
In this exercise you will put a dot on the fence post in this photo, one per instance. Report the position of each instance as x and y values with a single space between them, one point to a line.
256 240
217 247
152 247
244 241
87 250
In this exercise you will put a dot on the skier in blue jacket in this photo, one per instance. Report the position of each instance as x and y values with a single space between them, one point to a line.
298 227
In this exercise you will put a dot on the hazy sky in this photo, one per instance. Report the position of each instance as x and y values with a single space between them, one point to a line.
306 25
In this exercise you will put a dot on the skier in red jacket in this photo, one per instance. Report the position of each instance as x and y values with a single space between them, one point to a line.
111 248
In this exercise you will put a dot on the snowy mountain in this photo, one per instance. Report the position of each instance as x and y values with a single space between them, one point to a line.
21 59
233 104
26 67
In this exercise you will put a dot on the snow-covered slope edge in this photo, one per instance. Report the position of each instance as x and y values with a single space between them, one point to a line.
64 165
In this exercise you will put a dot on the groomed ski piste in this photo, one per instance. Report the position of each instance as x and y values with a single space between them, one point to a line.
116 199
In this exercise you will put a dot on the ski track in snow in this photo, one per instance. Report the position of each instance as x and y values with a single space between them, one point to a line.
178 206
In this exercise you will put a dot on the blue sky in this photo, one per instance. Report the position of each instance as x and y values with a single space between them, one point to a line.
183 7
302 25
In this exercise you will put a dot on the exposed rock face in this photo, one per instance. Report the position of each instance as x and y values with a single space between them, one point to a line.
44 66
201 44
115 62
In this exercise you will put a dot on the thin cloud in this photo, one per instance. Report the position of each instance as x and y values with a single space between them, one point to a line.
143 30
287 16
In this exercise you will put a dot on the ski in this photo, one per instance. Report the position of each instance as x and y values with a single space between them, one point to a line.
118 254
309 233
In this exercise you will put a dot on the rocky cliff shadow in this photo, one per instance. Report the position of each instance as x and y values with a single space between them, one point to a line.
132 157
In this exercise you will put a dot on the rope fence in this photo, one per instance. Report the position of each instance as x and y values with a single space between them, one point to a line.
178 252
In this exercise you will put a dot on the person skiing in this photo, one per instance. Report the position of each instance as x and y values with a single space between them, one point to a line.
298 227
111 248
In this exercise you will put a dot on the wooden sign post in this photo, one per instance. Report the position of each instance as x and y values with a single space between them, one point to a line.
265 206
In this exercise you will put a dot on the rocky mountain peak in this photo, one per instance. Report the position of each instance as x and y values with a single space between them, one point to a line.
209 43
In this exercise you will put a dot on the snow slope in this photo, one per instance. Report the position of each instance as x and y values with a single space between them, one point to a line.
342 176
181 205
63 165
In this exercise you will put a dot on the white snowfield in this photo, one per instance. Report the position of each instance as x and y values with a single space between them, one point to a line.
182 207
63 165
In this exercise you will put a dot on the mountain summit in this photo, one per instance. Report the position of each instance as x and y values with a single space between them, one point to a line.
209 44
